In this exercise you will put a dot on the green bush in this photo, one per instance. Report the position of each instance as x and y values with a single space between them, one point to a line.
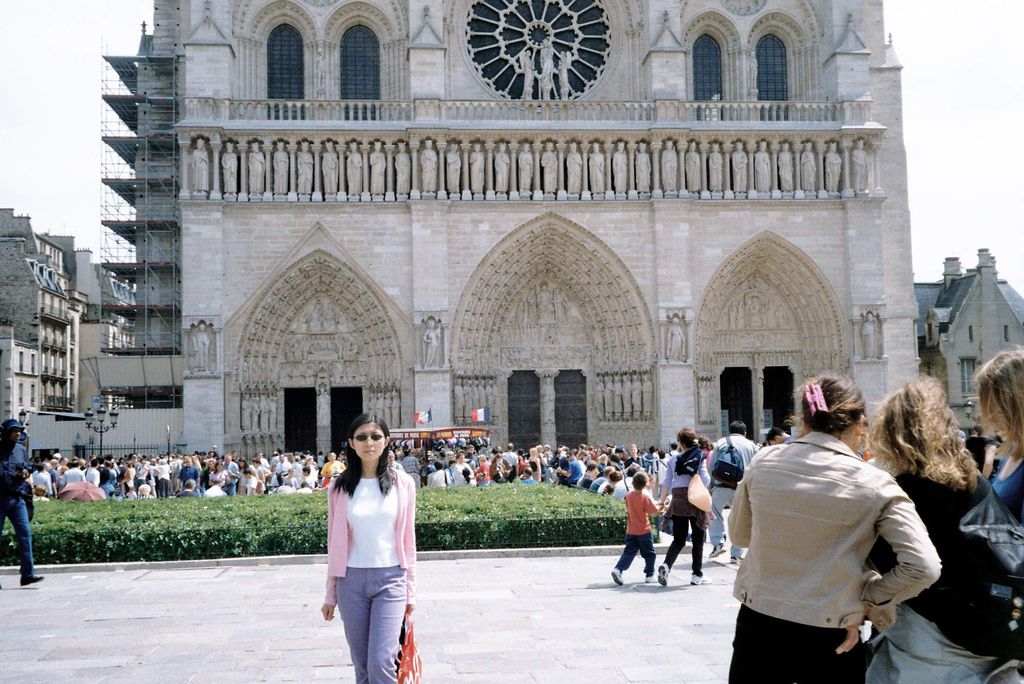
505 516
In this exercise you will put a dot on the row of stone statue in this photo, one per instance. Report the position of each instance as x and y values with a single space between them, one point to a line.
259 412
386 401
625 395
514 170
471 392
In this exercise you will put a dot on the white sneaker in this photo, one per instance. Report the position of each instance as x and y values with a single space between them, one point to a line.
717 550
663 575
649 579
697 580
617 576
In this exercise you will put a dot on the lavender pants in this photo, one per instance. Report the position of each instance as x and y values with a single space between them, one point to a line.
372 604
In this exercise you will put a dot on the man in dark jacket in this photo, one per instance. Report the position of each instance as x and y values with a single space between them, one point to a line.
14 492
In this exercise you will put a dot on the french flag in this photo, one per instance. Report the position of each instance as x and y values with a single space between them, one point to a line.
421 417
480 415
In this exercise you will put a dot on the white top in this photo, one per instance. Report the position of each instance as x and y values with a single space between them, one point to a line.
371 525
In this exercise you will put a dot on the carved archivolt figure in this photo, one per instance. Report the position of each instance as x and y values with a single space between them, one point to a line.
229 168
428 167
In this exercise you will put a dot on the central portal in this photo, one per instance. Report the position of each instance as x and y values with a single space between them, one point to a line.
570 408
299 419
737 398
346 404
524 408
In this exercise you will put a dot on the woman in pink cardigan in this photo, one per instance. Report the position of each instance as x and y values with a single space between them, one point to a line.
371 551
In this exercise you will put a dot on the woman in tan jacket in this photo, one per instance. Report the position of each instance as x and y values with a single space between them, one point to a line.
810 511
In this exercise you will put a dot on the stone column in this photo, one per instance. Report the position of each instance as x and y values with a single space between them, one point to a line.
560 180
631 192
758 403
547 405
243 167
820 148
727 191
609 150
292 186
268 180
513 171
186 159
876 165
389 173
364 149
751 171
467 193
773 146
318 195
442 185
414 186
215 153
847 188
342 149
704 192
489 171
585 175
656 192
323 429
798 186
538 180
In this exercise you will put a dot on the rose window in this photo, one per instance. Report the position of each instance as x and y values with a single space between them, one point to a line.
538 49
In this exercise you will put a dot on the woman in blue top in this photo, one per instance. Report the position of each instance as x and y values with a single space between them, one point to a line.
1001 397
685 516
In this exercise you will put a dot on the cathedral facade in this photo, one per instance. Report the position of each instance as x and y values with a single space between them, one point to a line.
598 219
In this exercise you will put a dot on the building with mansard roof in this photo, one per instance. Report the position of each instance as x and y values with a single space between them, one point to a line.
600 220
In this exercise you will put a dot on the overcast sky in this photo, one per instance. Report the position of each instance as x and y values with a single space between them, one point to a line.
963 85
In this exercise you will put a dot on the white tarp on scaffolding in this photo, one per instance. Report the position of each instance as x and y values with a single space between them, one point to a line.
137 428
113 372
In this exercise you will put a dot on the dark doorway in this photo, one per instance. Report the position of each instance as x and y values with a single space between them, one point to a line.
524 409
300 419
570 408
778 397
737 397
346 404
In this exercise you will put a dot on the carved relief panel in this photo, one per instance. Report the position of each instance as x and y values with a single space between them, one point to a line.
201 341
431 335
674 333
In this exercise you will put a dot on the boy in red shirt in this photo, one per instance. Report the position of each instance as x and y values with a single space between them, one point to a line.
639 508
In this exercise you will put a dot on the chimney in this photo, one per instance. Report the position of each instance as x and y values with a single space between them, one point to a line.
951 270
986 260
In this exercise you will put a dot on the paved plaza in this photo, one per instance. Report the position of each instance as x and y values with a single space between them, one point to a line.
554 619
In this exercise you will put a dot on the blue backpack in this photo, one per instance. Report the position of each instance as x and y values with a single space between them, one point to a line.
729 467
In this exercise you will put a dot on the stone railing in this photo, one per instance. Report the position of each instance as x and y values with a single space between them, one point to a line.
772 115
388 166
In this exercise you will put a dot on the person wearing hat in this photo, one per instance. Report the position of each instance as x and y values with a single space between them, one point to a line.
14 490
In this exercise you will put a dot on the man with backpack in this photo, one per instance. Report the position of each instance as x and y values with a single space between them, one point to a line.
729 459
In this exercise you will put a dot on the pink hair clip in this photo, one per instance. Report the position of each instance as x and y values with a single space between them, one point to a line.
815 398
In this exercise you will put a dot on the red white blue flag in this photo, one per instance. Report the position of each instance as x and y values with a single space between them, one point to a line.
480 415
421 417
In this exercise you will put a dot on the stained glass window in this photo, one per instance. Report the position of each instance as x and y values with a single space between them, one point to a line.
360 65
707 68
284 64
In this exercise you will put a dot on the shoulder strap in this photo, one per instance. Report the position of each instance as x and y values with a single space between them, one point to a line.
728 440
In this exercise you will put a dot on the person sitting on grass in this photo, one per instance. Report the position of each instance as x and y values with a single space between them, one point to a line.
639 507
527 478
189 490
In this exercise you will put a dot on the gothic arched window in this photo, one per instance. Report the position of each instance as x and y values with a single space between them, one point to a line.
707 68
771 69
360 65
284 64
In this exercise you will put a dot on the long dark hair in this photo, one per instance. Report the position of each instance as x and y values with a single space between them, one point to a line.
349 480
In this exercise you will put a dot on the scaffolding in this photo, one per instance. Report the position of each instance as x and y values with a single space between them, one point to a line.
141 241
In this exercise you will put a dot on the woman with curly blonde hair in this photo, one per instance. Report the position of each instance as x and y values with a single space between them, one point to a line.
1000 385
914 437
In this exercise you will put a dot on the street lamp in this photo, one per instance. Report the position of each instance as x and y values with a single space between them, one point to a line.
97 422
969 410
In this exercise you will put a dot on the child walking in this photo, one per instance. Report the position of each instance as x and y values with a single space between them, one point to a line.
639 506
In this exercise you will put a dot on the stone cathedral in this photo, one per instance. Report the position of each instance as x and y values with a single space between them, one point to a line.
599 219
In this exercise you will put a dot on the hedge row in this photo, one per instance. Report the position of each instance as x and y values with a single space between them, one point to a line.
506 516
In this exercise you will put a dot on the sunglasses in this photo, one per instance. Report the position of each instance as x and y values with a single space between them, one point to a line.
376 437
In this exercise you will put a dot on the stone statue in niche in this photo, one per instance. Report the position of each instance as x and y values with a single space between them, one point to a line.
501 166
453 168
549 164
762 168
669 167
354 168
786 168
547 71
620 177
648 396
377 164
202 340
715 165
200 167
691 164
869 335
271 420
705 400
739 169
257 170
752 69
428 167
833 168
229 169
323 396
596 169
432 344
675 346
642 167
573 170
403 170
525 164
808 169
476 170
280 169
526 66
627 397
636 396
304 169
329 162
459 393
563 76
860 167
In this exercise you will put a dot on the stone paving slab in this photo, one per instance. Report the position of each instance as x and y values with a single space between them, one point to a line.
538 620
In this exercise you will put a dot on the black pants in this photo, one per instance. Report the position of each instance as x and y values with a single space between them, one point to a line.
679 531
767 650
